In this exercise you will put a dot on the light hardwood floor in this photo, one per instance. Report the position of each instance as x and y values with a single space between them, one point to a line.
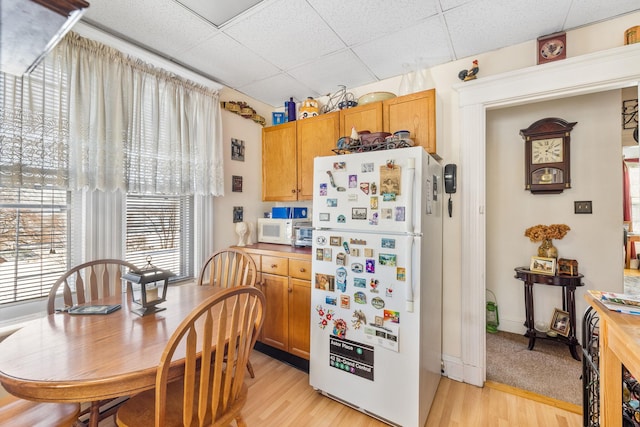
280 396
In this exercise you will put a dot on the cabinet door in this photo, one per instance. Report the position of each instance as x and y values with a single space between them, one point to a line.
275 331
316 137
415 113
366 117
278 159
299 317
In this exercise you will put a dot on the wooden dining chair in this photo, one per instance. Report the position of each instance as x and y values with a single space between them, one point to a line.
227 268
19 412
82 284
88 282
211 391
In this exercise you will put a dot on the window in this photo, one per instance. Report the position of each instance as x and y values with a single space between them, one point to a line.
33 242
160 227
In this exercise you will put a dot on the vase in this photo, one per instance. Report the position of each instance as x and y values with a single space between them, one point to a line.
547 249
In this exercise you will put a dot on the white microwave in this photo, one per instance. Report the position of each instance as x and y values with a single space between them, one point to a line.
278 230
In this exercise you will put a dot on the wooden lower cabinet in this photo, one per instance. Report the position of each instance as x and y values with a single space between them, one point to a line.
284 276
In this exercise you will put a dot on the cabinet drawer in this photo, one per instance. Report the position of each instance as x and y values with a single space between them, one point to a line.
300 269
275 265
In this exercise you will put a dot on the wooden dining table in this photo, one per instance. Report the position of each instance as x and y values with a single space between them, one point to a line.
86 358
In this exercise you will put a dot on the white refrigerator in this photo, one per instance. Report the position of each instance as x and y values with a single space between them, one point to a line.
376 297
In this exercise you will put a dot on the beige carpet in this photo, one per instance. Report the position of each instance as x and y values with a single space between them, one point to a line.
548 369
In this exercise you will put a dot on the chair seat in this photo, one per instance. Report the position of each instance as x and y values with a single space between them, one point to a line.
139 411
16 412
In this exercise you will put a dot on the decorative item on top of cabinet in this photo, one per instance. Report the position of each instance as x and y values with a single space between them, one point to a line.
471 73
243 109
339 100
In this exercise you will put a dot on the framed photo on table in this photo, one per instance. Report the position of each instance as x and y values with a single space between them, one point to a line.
543 265
560 322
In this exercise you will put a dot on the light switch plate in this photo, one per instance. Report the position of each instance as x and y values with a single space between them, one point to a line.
583 207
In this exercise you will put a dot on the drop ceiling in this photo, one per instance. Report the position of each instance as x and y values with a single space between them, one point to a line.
271 50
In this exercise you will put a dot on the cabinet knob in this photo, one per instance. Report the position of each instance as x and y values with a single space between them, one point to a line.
293 191
274 265
290 290
302 270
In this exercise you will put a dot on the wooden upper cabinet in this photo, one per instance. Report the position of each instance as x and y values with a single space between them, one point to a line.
415 113
364 117
316 137
278 160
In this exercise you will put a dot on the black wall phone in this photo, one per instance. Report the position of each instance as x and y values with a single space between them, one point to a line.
450 183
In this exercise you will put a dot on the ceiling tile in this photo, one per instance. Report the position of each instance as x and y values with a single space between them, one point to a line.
503 23
231 63
163 26
588 11
325 74
287 33
278 89
427 42
218 12
358 21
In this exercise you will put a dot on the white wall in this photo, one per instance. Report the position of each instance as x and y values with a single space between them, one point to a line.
236 126
596 174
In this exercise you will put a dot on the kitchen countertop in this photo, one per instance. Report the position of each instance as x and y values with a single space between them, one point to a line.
269 248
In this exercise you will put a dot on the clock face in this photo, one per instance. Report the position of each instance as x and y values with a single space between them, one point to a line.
546 151
552 48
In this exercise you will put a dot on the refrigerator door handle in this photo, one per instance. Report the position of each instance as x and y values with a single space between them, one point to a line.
409 275
411 173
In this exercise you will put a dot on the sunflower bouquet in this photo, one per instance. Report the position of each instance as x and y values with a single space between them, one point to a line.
540 232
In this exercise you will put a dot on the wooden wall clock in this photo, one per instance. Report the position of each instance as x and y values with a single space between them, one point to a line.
552 47
547 155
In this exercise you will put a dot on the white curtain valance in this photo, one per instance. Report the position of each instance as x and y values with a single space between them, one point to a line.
93 118
137 128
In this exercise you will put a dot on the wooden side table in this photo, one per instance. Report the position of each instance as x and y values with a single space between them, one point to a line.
569 284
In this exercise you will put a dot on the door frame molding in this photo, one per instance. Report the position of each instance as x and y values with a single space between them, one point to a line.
595 72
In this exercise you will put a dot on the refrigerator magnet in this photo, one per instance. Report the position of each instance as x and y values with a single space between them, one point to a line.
374 218
389 292
353 181
352 197
386 213
401 274
399 213
341 279
323 189
357 241
339 166
387 259
345 245
359 213
373 202
324 216
368 252
331 180
321 240
354 252
377 302
388 243
331 300
328 256
356 267
373 286
390 179
342 219
345 301
335 240
360 298
364 186
359 282
366 167
373 188
359 319
340 328
325 282
332 203
319 254
388 197
392 316
341 259
370 265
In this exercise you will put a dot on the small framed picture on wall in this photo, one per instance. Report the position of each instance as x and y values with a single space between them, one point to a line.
237 149
238 214
236 184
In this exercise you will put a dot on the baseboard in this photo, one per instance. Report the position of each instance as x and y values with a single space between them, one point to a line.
453 368
283 356
566 406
